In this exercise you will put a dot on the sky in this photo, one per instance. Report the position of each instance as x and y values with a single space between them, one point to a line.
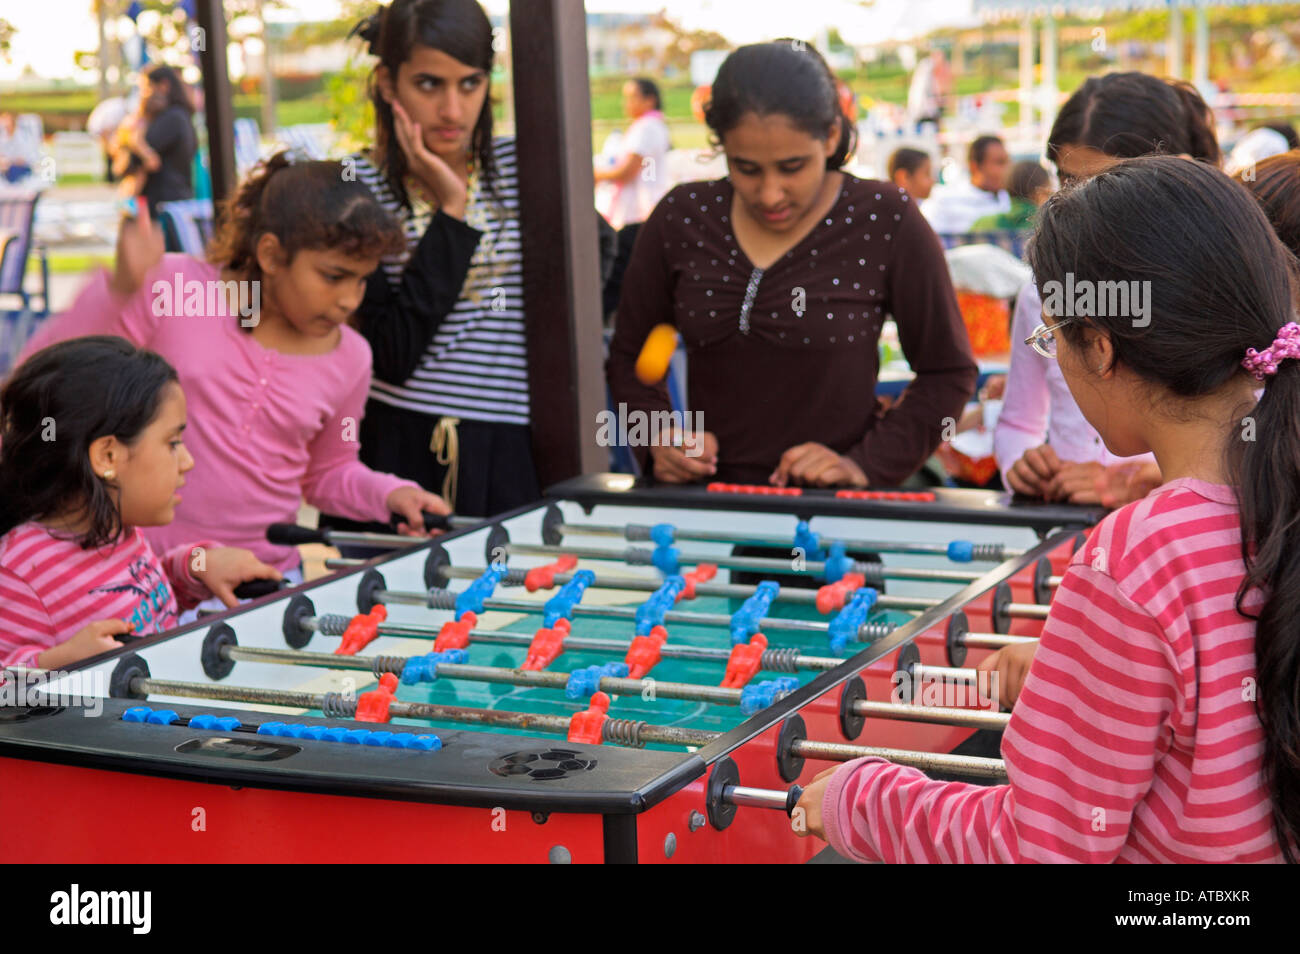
50 30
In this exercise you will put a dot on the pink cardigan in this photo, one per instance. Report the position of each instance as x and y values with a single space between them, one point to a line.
266 429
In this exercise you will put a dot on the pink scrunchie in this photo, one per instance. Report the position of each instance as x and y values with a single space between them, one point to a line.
1263 364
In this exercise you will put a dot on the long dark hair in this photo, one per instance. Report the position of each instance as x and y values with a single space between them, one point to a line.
1134 114
458 28
1221 282
787 78
177 95
1275 182
305 205
61 400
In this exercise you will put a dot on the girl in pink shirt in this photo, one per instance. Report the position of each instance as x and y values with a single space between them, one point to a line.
275 377
1159 718
90 432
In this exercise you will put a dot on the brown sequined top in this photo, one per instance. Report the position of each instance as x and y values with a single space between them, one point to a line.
787 355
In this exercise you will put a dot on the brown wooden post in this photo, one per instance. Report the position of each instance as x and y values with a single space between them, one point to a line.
548 39
218 105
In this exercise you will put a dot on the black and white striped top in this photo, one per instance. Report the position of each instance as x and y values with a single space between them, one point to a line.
476 366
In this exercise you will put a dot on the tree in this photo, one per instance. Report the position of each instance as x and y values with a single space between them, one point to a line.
7 32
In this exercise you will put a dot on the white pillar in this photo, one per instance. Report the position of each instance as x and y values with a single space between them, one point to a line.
1201 51
1049 93
1027 78
1174 54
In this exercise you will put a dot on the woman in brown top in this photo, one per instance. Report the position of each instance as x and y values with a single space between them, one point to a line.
779 278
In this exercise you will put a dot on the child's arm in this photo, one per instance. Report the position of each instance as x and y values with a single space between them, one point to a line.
399 323
120 302
26 629
1026 402
336 481
1081 750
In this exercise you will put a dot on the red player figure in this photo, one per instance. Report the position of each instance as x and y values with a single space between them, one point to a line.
745 662
588 725
455 635
546 645
362 631
543 577
643 655
832 596
373 706
702 573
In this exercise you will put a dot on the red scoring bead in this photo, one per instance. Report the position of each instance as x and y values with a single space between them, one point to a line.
455 635
543 577
362 631
587 726
547 644
745 662
373 706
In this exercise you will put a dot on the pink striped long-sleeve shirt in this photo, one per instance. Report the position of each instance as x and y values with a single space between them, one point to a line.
50 588
1135 737
266 429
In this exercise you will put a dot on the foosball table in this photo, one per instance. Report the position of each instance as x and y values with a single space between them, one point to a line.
622 673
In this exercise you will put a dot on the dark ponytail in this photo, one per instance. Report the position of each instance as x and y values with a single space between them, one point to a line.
458 28
1221 283
1133 114
59 401
304 205
787 78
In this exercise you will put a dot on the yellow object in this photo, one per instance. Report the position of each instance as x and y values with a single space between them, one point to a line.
445 446
652 362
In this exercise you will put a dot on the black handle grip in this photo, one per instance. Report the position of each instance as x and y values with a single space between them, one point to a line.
252 589
432 521
292 535
792 798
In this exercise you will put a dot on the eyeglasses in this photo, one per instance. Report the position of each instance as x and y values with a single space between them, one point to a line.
1043 341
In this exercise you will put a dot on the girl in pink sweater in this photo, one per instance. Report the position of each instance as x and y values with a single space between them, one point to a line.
1159 720
91 451
275 378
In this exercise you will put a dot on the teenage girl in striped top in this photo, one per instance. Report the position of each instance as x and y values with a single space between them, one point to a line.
1158 721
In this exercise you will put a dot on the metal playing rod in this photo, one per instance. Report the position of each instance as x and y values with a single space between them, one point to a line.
967 718
540 679
613 581
642 557
335 705
637 532
775 658
968 765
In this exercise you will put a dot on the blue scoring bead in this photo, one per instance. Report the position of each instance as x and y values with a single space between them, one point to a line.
272 728
744 622
760 695
961 551
212 722
837 563
583 682
667 559
808 542
560 606
844 627
425 668
136 714
651 613
167 717
470 599
663 534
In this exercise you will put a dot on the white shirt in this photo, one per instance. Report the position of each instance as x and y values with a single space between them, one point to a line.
953 209
1037 404
633 201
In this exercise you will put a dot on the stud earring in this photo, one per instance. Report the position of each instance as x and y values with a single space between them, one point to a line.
110 474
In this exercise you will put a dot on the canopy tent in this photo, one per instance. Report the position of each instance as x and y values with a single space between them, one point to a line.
1027 11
